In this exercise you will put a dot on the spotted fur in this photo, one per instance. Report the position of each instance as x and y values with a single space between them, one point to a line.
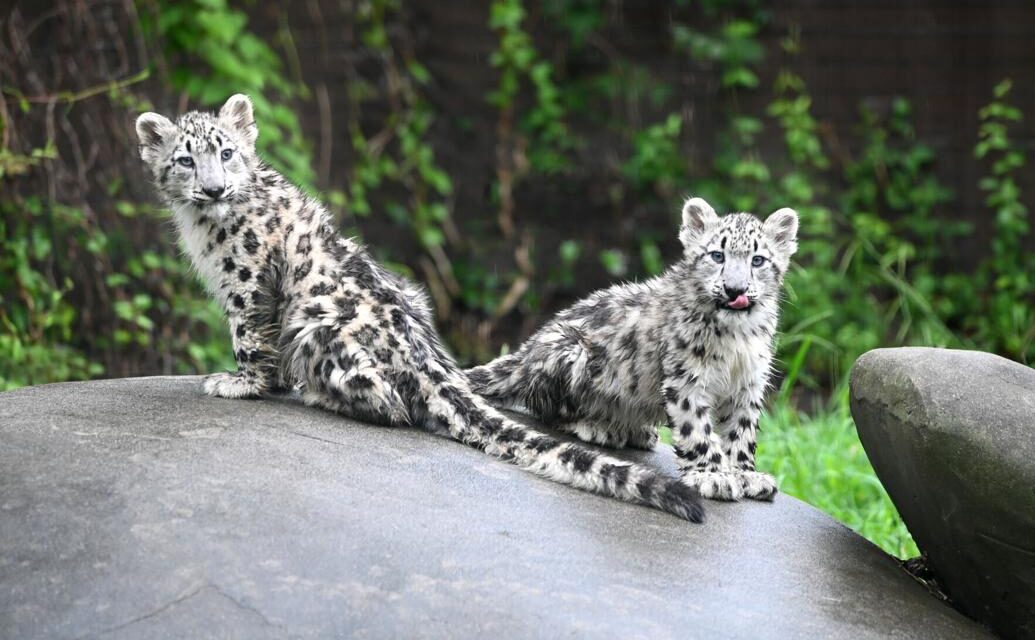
616 364
311 310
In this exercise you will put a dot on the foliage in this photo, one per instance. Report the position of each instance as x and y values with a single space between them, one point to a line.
656 159
517 59
1007 323
884 211
733 46
398 158
36 319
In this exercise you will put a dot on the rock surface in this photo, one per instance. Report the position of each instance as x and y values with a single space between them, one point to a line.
141 508
951 435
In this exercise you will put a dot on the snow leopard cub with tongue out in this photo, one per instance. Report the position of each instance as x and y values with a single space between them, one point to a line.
692 346
311 309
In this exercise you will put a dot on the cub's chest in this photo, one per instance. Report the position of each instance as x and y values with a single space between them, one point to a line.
221 257
730 360
746 355
197 239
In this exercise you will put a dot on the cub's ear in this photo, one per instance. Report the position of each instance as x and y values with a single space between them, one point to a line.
237 114
781 227
698 216
152 130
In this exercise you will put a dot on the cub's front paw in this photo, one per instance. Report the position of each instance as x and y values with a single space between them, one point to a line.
230 385
717 485
757 485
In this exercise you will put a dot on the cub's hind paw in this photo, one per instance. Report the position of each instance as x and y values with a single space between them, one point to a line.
230 385
716 485
757 485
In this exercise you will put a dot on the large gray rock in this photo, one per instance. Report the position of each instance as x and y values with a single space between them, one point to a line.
140 509
951 435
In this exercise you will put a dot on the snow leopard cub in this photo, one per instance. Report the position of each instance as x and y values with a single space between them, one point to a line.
312 310
693 346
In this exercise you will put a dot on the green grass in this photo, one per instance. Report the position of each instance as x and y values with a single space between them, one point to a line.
819 459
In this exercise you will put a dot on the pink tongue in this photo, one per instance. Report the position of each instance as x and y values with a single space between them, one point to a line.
740 302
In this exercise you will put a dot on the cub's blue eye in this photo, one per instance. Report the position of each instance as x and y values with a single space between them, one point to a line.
717 256
757 261
186 161
227 154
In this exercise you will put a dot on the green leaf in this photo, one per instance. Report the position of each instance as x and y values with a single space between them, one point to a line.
614 262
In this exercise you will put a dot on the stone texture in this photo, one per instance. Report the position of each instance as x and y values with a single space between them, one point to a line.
951 435
140 508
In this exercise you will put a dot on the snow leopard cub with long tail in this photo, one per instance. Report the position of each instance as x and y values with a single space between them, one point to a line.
311 310
692 346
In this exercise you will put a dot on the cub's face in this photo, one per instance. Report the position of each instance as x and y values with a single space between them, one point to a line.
737 261
202 159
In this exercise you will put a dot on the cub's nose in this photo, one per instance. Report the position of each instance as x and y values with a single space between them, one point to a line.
213 192
733 292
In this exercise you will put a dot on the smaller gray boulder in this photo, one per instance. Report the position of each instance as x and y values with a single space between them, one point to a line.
951 435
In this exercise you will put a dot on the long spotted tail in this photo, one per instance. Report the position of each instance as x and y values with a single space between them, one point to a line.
470 419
